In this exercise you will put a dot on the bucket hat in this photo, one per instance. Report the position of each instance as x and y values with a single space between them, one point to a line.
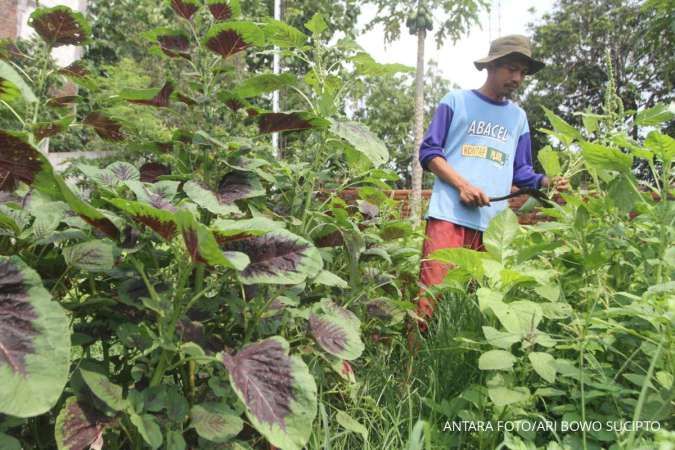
508 45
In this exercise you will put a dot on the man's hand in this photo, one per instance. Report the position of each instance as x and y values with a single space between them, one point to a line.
472 196
560 184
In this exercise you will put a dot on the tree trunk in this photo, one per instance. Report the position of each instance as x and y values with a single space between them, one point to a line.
416 198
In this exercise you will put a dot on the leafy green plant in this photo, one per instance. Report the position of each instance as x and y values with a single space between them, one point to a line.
577 315
191 305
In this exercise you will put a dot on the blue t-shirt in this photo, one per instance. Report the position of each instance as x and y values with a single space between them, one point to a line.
488 144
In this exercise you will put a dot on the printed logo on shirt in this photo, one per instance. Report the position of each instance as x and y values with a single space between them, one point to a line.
488 129
484 152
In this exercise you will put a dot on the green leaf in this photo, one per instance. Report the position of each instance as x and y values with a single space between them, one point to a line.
148 428
215 422
469 260
35 342
8 442
283 35
518 318
496 360
550 292
175 440
367 66
549 161
263 84
560 126
208 200
8 91
605 158
277 390
362 139
622 193
104 389
488 297
328 278
7 72
500 339
591 120
544 365
316 24
502 396
92 256
500 233
581 218
225 229
202 245
350 424
661 144
655 116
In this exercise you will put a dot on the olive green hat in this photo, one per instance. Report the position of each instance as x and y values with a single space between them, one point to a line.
508 45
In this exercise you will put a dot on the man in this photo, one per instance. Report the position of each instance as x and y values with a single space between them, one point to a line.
478 146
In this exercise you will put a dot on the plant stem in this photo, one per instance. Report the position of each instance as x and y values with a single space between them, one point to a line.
160 369
23 124
643 391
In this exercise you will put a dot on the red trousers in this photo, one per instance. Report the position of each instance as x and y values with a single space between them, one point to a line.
441 234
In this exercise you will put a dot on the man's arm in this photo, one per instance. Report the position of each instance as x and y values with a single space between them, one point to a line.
468 194
432 158
433 144
523 172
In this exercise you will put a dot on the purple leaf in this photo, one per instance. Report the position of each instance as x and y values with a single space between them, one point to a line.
79 426
237 185
104 126
337 331
174 43
18 316
34 342
220 11
277 390
229 38
162 222
295 121
278 257
48 129
150 172
150 97
185 8
60 102
262 373
76 70
60 26
18 160
330 336
123 171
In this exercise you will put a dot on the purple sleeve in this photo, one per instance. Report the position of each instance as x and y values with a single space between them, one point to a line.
523 173
433 143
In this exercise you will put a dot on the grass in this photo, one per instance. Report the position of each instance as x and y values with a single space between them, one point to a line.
394 388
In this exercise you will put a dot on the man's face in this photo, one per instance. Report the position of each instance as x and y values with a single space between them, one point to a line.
507 76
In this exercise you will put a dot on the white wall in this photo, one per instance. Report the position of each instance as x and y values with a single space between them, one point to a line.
63 55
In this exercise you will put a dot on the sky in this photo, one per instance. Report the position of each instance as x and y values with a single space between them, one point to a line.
455 61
